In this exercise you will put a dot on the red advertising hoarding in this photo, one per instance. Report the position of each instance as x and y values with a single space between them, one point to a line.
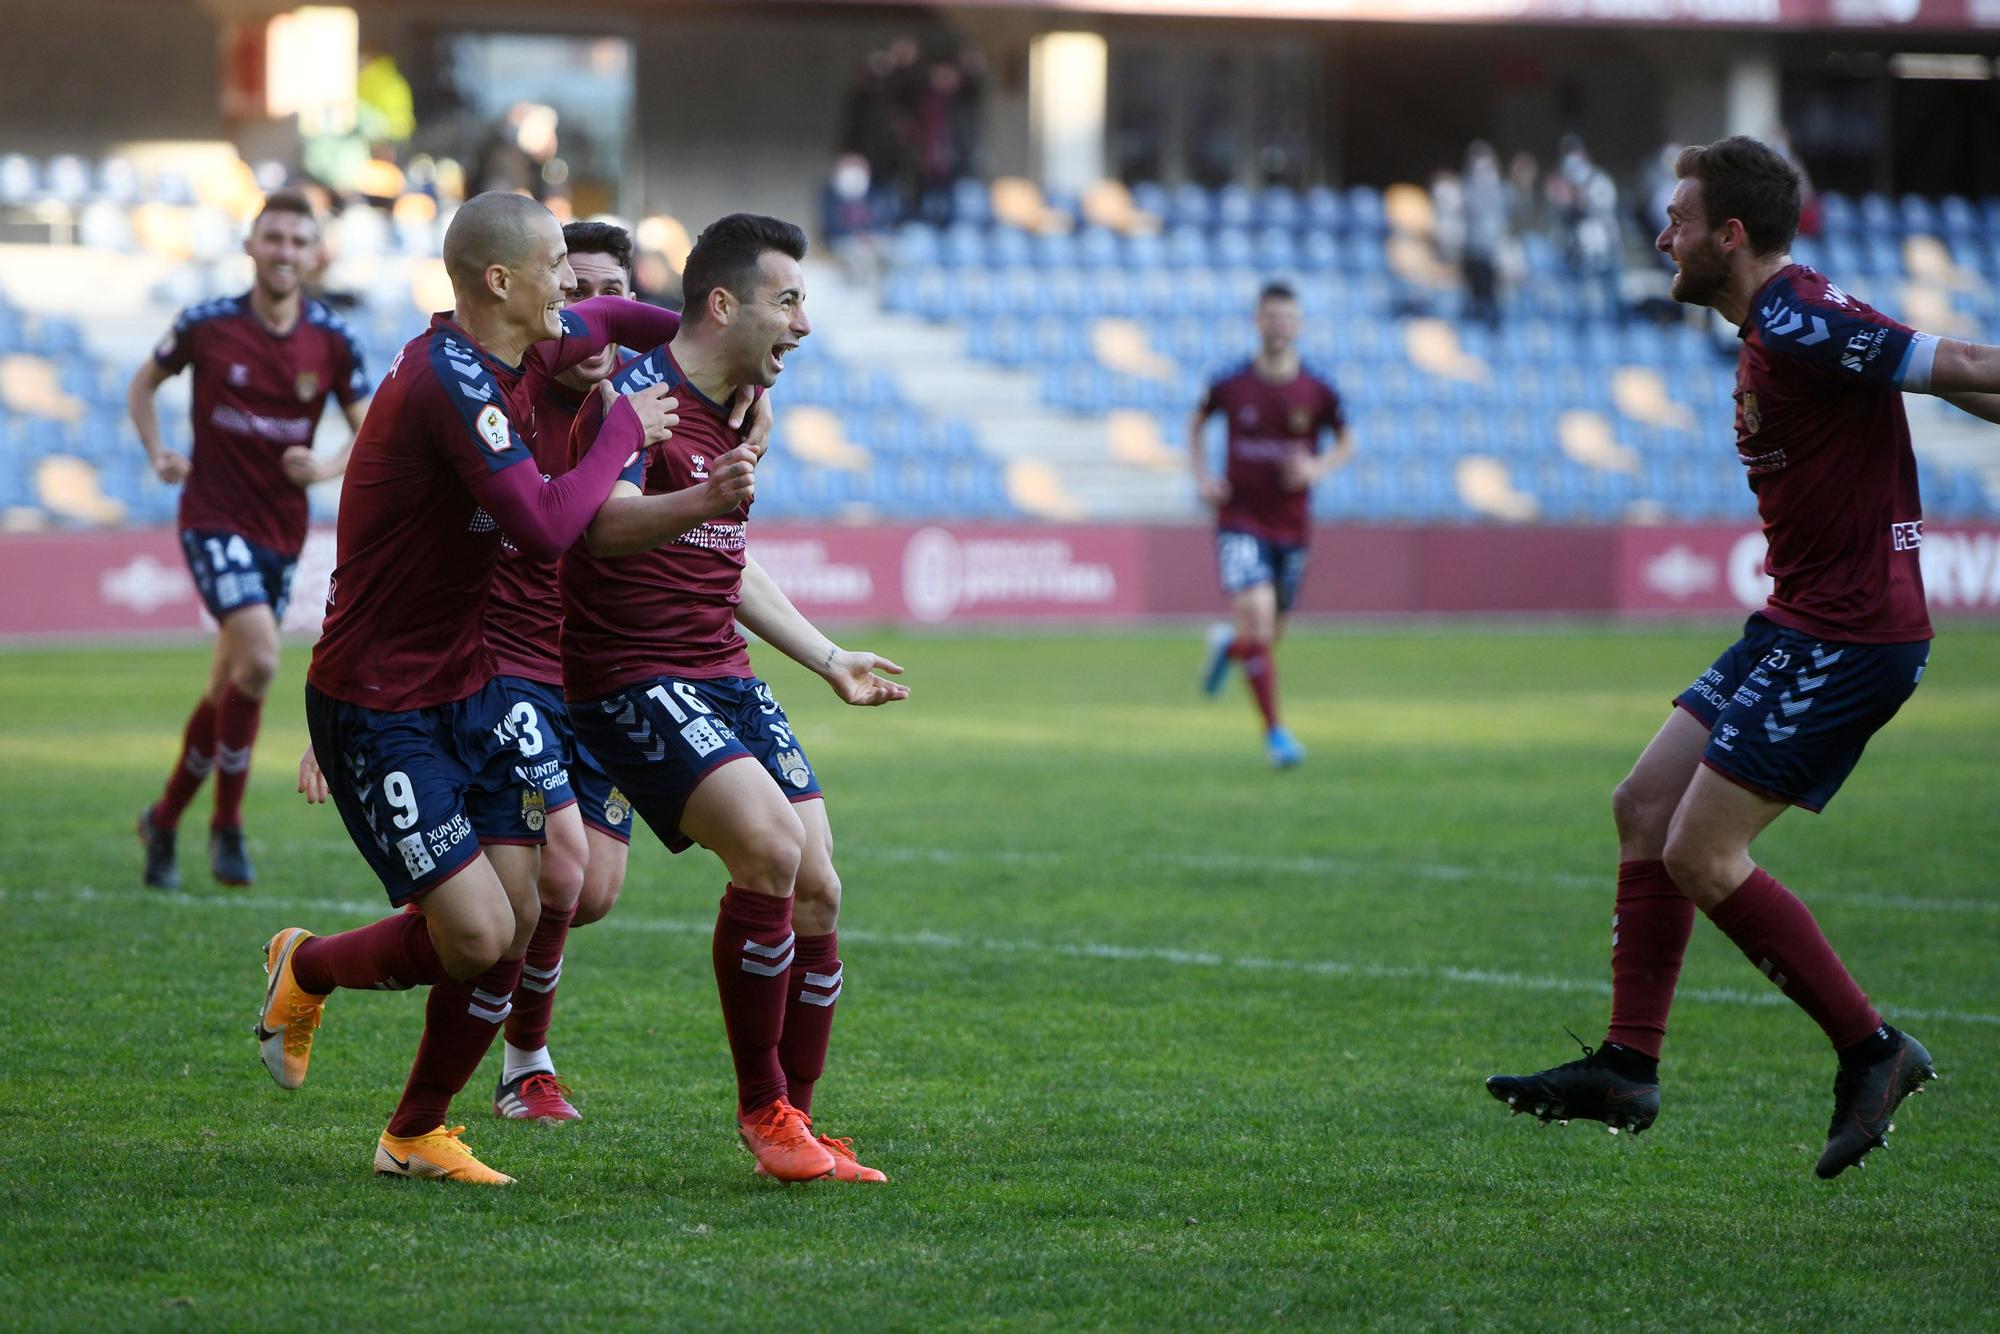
134 582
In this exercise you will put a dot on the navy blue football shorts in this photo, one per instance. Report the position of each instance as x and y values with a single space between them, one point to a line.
1245 560
539 721
659 738
1789 714
420 789
231 572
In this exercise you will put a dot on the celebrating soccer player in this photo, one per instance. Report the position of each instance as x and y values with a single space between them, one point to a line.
1782 716
423 752
661 690
264 365
1276 411
584 839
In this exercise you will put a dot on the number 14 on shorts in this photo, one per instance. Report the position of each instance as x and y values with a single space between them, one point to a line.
699 727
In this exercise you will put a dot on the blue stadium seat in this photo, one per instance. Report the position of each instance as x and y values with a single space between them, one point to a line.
1097 248
1146 250
916 246
1319 252
971 202
1364 210
1919 216
964 247
20 179
1234 207
1278 206
1323 209
1838 214
1276 252
1878 215
1191 206
1055 250
1009 248
1187 247
1151 197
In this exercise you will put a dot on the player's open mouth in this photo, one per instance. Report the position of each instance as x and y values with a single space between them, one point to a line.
778 355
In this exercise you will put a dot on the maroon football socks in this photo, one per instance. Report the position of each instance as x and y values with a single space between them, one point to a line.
236 721
813 989
1260 671
460 1021
197 759
754 953
393 954
535 998
1649 937
1777 933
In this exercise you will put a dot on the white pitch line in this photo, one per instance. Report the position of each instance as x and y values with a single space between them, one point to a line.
931 940
1310 865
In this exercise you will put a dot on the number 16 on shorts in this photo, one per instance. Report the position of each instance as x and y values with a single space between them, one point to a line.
692 718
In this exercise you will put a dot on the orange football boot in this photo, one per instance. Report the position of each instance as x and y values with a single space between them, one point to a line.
781 1138
291 1013
438 1156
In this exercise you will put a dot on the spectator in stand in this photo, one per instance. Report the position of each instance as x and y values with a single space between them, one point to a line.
1585 202
1486 211
851 217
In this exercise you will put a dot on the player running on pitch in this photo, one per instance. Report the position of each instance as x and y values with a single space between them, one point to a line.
422 750
265 364
1781 718
1275 410
661 691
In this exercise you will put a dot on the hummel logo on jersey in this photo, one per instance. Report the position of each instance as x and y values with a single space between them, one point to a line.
239 375
1784 322
699 465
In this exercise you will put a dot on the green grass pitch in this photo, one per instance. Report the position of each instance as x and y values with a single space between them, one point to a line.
1144 1033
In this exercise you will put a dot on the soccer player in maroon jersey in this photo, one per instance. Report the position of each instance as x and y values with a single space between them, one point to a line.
583 857
1782 716
265 364
423 752
1276 411
661 691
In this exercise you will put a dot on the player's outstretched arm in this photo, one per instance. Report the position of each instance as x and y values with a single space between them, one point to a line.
766 612
1967 375
169 465
593 325
544 518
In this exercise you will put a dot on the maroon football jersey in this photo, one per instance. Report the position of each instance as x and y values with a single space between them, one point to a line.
256 394
524 609
406 610
670 611
1820 429
1269 422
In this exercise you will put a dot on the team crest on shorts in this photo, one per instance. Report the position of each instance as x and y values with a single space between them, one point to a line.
534 809
792 764
617 808
307 384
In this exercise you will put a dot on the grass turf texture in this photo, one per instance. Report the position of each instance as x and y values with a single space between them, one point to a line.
1143 1032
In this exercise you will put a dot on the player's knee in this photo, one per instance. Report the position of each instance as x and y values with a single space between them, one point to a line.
470 948
817 891
596 901
1636 813
561 879
1695 868
252 669
767 860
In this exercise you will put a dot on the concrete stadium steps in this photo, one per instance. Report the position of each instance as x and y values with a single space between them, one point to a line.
1004 407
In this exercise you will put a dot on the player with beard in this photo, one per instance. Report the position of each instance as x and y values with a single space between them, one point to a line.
265 364
1276 411
424 751
661 691
1782 716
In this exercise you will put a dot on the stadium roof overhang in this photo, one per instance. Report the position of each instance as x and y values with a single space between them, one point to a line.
1855 15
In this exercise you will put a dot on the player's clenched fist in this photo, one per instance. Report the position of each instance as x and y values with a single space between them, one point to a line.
732 479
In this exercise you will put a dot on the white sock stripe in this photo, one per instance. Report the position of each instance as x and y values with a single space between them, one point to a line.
772 969
491 1016
198 764
232 760
770 951
542 986
831 979
820 997
491 998
529 970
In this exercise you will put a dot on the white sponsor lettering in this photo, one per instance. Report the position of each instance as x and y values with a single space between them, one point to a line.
942 574
807 573
1748 583
1961 570
281 430
144 585
1907 536
1679 572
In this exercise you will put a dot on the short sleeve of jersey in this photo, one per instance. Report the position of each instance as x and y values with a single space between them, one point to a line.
1211 397
176 350
470 417
1336 411
1815 322
352 386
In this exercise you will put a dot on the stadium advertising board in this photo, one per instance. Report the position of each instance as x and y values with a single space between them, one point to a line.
1877 15
135 583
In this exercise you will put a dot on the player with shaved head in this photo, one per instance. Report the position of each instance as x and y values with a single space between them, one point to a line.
1781 718
429 762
